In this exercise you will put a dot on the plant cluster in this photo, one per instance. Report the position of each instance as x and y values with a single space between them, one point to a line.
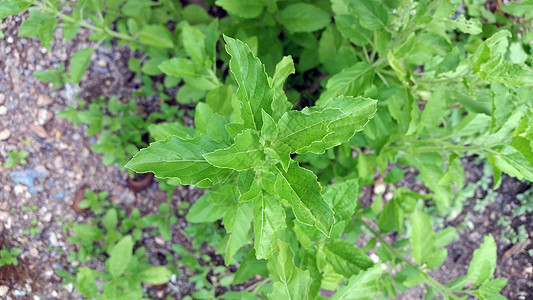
297 104
9 256
111 237
15 157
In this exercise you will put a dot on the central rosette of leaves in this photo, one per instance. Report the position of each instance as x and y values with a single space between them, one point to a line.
247 162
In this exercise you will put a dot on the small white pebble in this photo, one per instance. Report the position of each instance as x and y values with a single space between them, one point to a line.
43 50
9 39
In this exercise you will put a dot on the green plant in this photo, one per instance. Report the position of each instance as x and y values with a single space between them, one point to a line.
377 83
111 237
15 157
254 179
94 201
9 256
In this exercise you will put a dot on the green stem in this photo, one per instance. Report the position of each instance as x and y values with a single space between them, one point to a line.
67 18
443 290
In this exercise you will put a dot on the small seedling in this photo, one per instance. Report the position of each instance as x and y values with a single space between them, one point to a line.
15 157
9 256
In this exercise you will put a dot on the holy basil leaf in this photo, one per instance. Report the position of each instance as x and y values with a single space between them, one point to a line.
422 236
342 196
182 159
299 187
299 130
79 63
203 211
363 286
254 90
304 17
346 258
269 217
237 221
12 7
155 275
194 44
483 262
290 282
120 256
157 36
356 112
244 154
242 8
279 103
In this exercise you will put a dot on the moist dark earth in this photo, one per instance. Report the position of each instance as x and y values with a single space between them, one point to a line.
61 162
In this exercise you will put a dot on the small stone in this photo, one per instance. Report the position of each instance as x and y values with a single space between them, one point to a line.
47 218
4 216
18 293
44 100
36 298
102 63
34 252
39 131
43 116
69 287
3 110
2 98
159 240
53 240
5 134
3 290
379 188
19 189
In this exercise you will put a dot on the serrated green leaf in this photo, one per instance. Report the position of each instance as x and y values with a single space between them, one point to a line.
120 256
211 124
85 282
299 130
299 187
245 153
422 236
279 103
304 17
290 282
342 196
391 218
356 112
254 91
346 258
269 217
182 159
242 8
157 36
237 221
86 231
352 81
110 219
361 287
155 275
12 7
483 261
372 14
194 44
519 9
470 26
204 211
161 131
79 63
249 267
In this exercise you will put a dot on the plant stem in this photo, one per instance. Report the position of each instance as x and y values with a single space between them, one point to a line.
444 290
82 23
